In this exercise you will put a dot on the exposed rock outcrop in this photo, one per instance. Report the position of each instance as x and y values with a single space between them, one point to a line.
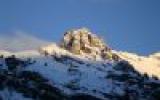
80 41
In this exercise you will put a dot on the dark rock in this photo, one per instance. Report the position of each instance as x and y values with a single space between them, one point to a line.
13 63
124 66
84 97
34 76
155 95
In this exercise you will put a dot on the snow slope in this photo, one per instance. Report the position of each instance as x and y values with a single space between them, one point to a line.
78 74
144 64
54 73
86 74
8 95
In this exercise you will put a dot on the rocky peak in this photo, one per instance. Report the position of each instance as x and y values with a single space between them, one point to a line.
83 41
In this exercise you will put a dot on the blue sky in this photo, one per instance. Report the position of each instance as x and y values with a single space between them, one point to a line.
128 25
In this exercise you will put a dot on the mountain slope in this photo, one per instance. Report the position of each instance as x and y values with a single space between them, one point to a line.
65 72
144 64
74 76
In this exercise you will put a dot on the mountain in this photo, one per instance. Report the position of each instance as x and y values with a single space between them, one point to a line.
80 67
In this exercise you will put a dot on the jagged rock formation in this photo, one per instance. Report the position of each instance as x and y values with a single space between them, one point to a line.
82 40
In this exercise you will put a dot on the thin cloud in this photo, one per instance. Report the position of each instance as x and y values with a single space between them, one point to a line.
20 41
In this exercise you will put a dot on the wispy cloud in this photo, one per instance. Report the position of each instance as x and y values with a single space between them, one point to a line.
20 41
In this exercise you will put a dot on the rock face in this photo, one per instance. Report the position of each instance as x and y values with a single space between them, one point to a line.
82 40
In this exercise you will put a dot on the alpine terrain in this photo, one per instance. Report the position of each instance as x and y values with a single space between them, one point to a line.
80 67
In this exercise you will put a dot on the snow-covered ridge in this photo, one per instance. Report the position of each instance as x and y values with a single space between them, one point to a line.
155 55
54 49
144 64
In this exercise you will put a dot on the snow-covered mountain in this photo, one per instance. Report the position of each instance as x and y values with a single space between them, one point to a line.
81 67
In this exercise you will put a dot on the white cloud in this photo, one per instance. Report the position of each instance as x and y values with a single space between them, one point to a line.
20 41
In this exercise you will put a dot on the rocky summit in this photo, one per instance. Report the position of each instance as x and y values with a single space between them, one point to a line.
83 41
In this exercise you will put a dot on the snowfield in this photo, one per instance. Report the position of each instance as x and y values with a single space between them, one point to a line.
80 74
144 64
